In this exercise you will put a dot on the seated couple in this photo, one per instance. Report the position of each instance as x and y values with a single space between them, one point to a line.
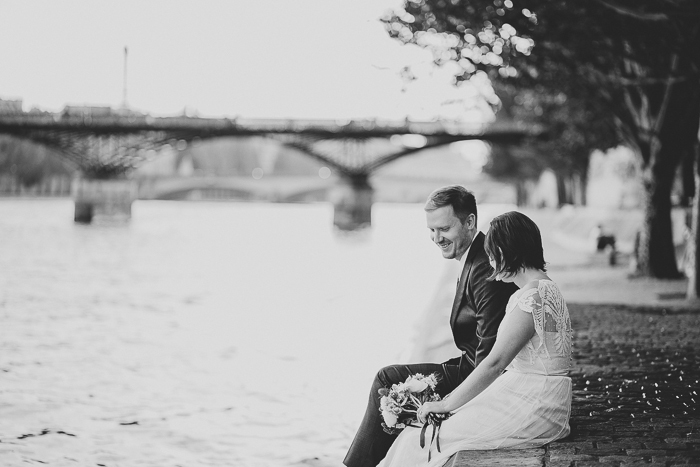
510 387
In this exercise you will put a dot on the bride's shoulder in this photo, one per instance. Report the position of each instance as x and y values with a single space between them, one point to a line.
531 287
527 292
533 290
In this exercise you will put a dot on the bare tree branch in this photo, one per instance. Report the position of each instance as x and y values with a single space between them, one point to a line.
640 15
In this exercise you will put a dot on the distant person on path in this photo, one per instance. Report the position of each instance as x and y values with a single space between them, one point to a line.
602 238
477 310
605 240
528 404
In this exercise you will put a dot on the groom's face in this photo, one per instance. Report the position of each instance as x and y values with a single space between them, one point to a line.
448 233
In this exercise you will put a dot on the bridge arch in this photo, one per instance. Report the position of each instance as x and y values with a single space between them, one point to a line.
109 144
279 188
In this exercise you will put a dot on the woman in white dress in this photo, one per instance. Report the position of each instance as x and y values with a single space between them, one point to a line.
528 404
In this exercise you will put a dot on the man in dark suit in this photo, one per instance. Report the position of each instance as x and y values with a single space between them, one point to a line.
477 310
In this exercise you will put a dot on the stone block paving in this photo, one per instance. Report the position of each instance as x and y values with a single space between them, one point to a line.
636 382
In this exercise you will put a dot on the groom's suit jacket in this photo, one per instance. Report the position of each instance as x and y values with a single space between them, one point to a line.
479 305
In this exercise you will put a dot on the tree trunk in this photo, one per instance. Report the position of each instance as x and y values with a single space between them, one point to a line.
657 257
562 192
583 187
677 133
522 193
687 177
693 246
575 189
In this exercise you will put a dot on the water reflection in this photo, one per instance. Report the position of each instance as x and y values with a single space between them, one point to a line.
200 332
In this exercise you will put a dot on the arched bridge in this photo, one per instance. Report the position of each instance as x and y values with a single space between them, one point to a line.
106 143
111 142
279 188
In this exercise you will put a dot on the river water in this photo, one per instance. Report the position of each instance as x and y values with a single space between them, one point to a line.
200 333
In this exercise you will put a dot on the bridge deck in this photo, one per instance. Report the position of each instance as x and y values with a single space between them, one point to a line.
111 143
132 123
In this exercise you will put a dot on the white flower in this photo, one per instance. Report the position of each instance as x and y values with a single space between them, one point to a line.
431 380
416 385
384 403
390 418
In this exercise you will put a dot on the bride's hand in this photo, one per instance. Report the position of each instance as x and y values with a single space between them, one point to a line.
428 408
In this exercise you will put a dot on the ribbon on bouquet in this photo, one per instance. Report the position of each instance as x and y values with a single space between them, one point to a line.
437 423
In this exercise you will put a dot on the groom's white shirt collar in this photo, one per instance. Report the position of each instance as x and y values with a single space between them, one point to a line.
463 261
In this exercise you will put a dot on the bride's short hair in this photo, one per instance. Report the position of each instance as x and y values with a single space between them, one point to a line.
514 242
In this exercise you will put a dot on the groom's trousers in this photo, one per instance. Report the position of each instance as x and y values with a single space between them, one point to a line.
371 442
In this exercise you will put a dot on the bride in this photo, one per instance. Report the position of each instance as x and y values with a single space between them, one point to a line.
528 404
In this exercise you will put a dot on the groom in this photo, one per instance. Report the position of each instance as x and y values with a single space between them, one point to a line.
477 310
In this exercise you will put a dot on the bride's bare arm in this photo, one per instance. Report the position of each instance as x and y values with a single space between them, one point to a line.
517 329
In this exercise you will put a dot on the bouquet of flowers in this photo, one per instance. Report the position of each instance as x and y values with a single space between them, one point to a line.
399 405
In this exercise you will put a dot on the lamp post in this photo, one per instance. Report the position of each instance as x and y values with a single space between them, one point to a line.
126 52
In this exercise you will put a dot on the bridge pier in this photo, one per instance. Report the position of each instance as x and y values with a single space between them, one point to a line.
103 198
352 201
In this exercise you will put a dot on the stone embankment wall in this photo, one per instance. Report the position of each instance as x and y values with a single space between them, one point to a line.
54 186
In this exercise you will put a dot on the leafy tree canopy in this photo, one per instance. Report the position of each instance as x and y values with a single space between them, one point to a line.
599 54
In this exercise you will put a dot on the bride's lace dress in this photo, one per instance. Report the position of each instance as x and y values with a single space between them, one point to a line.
527 406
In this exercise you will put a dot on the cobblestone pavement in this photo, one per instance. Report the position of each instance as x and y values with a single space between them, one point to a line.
636 382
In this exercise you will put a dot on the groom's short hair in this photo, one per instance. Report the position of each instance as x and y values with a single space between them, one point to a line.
462 201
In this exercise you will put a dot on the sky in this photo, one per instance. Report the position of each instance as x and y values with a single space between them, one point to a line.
221 58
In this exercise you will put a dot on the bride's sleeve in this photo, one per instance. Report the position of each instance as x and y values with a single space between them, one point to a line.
531 302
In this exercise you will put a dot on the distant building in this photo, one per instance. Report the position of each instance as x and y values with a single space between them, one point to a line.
10 106
99 111
92 110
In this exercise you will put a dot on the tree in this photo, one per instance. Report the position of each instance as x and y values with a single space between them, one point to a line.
641 63
28 162
694 240
576 128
